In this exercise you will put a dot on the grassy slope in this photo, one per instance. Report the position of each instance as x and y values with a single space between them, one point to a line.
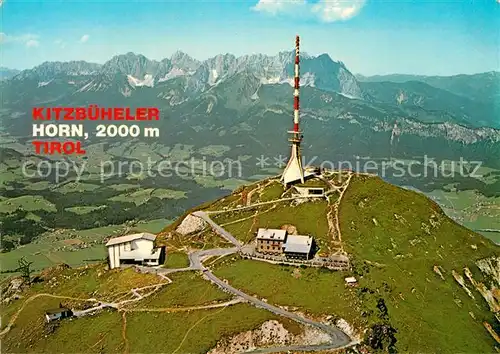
193 331
92 281
395 237
176 260
317 291
421 306
309 218
29 331
187 289
271 192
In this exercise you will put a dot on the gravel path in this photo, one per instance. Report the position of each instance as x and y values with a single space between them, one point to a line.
338 338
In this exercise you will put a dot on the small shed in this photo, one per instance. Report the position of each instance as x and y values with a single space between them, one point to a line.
57 314
351 281
311 192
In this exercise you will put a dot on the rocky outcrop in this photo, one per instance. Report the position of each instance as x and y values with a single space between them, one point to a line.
13 290
191 224
491 266
460 280
348 329
270 333
488 293
439 271
492 332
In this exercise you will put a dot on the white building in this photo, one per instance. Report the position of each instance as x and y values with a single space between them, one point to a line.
311 191
136 248
56 314
351 281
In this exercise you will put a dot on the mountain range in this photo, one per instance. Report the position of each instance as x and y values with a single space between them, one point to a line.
483 86
6 73
248 100
240 108
321 72
474 97
414 265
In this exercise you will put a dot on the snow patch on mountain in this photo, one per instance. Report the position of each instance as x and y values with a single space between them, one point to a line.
86 87
94 85
209 107
44 83
175 101
271 81
307 79
172 74
348 96
212 79
147 81
126 91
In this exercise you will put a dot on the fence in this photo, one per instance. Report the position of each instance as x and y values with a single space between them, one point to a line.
340 264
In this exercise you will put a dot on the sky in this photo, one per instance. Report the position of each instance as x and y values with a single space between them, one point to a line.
370 36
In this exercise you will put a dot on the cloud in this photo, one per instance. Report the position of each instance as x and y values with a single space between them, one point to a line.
32 43
324 10
84 38
337 10
274 7
30 40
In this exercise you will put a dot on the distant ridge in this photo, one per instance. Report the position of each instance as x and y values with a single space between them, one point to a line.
6 73
317 71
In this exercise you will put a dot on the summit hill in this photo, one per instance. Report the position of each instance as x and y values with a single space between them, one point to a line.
408 256
424 283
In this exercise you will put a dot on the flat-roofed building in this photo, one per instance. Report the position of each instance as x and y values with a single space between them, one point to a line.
136 248
351 281
56 314
271 240
299 247
311 191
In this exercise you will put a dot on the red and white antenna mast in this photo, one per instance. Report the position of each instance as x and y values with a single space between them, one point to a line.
296 103
293 171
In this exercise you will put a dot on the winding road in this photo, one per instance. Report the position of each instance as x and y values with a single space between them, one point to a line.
217 228
338 338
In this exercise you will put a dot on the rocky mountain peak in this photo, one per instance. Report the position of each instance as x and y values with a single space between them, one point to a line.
319 71
183 61
48 70
136 65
